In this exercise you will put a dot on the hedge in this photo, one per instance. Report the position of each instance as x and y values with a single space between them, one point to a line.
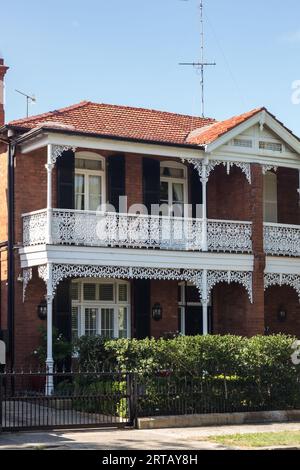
202 373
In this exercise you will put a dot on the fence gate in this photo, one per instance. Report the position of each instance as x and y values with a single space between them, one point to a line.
78 399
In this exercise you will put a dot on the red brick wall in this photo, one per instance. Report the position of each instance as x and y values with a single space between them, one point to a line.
255 312
286 297
230 305
134 179
288 197
228 195
27 323
165 293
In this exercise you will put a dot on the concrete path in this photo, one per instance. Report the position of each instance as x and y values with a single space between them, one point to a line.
112 439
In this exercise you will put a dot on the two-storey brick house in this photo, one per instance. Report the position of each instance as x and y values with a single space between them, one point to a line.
221 254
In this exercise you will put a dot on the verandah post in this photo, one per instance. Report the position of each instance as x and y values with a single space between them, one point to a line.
204 181
49 168
49 360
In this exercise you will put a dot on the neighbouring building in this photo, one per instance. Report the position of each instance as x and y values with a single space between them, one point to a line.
228 264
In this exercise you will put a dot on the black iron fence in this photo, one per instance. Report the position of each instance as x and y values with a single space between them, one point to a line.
65 400
95 399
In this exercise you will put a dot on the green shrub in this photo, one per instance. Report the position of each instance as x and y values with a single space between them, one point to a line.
203 372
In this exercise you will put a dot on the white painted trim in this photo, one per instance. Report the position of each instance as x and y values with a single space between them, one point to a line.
98 143
282 265
268 120
42 254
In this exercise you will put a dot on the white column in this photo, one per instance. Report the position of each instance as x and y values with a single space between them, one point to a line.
49 168
204 181
49 360
204 303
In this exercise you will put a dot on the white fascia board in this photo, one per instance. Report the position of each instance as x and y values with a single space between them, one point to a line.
234 132
34 256
278 160
97 143
282 265
267 120
34 144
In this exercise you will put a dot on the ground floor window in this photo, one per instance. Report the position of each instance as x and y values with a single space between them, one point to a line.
100 308
190 317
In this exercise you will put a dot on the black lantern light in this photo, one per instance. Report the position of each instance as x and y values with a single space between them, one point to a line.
42 310
157 312
282 314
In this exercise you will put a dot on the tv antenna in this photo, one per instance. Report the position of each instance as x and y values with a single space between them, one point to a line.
29 99
202 64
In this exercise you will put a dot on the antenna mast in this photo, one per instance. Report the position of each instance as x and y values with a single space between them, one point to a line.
202 64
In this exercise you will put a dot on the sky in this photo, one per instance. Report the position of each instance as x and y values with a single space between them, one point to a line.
128 52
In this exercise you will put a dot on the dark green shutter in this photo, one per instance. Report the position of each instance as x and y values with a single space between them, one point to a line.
141 295
65 180
196 190
151 182
116 179
63 309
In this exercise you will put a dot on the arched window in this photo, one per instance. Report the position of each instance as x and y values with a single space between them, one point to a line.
270 197
90 190
173 187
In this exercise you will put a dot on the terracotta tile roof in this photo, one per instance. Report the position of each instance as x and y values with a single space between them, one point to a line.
208 134
118 121
133 123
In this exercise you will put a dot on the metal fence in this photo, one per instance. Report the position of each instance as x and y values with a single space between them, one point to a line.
117 399
79 399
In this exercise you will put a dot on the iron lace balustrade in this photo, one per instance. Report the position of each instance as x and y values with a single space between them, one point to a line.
282 240
229 236
86 228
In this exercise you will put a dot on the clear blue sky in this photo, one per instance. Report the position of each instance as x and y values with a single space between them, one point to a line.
127 52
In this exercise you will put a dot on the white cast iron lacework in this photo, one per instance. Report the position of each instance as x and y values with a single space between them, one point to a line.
125 230
205 170
240 277
27 276
64 271
282 239
34 228
230 237
292 280
58 150
85 228
43 272
266 168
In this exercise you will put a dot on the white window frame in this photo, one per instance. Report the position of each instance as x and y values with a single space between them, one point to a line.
114 304
87 173
171 180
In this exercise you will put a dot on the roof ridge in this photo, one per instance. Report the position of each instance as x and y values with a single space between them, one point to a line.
50 113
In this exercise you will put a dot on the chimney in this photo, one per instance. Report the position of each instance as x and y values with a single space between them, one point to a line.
3 70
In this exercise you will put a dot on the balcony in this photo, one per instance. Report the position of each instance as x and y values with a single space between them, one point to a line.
282 240
94 229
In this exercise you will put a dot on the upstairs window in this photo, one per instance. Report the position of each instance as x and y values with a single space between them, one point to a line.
173 188
89 181
272 146
270 197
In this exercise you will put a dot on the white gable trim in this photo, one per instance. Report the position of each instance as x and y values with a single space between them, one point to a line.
263 118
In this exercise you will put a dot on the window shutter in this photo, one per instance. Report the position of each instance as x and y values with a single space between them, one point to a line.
151 182
141 293
65 180
116 179
196 190
63 310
